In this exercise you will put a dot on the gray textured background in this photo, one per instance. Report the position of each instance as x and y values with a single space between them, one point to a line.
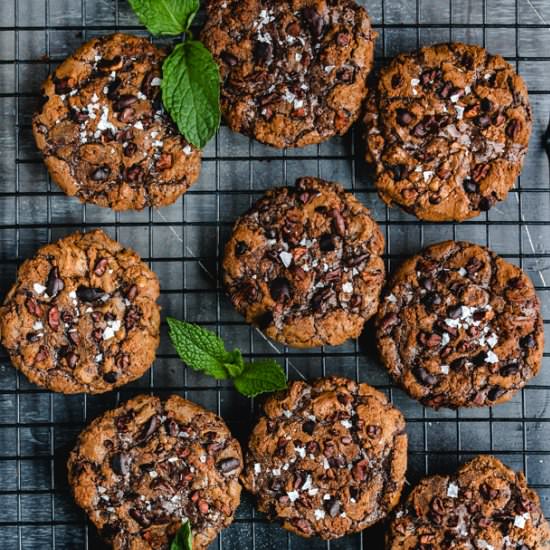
182 243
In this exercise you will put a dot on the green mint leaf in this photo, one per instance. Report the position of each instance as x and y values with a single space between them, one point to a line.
199 348
166 17
260 377
191 91
235 365
184 538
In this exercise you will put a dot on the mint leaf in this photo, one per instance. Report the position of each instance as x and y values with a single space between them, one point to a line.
260 377
184 538
191 91
166 17
200 349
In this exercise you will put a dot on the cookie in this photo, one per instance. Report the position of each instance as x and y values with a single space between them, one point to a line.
139 470
447 129
103 132
460 327
293 72
327 459
303 264
82 315
485 505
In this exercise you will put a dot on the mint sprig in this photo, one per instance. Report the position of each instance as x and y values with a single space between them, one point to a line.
165 17
190 75
204 351
184 538
191 91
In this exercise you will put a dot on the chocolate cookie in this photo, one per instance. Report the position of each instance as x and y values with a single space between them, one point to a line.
303 264
103 132
294 72
460 327
142 468
485 505
328 459
447 128
82 316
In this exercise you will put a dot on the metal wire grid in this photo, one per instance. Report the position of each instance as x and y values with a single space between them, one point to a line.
182 243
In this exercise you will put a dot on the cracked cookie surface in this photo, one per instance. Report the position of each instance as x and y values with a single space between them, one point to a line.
82 315
103 131
141 468
459 326
485 505
293 71
447 129
327 459
304 264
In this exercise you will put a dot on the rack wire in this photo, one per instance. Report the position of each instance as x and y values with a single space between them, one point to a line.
38 428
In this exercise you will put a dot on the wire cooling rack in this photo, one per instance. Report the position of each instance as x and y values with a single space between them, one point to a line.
182 243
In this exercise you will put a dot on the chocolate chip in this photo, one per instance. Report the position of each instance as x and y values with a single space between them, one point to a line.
356 260
63 85
470 186
454 312
264 320
474 265
72 359
55 284
33 306
138 516
120 463
486 203
228 465
112 88
332 507
109 65
130 149
110 377
88 294
513 129
53 318
424 376
74 337
122 361
127 115
404 117
78 116
150 428
528 342
101 173
280 289
426 283
396 80
429 340
326 243
373 431
164 162
240 248
33 337
495 393
338 222
319 299
123 102
431 299
486 105
263 52
132 293
101 266
314 20
483 121
399 171
308 427
134 173
389 321
229 58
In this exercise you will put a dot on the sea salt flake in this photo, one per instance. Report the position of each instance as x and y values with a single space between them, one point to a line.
462 272
288 414
427 175
452 490
156 81
139 125
444 369
38 325
301 451
108 333
286 258
519 521
153 474
491 357
459 112
312 492
445 339
415 82
257 468
329 68
293 495
483 545
347 287
276 471
98 358
308 484
455 98
38 288
319 514
346 423
298 57
187 150
492 341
